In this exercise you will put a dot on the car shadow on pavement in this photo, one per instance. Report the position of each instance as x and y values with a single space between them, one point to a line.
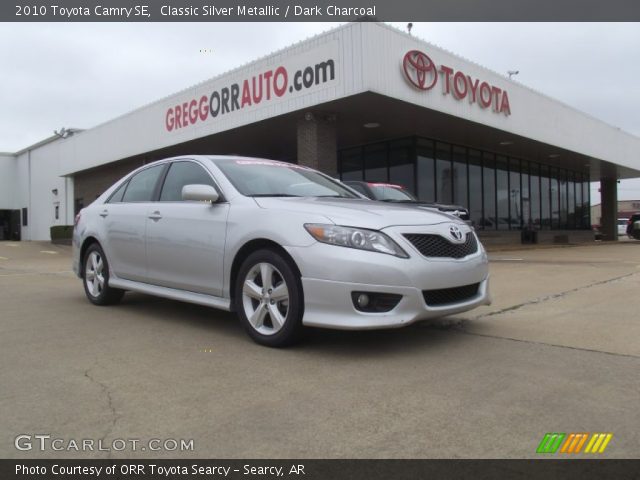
341 343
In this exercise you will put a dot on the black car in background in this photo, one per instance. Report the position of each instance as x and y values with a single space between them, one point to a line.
388 192
633 226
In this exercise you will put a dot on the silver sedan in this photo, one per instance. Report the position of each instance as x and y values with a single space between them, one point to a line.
282 245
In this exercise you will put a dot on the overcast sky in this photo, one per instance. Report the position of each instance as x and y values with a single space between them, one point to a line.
80 75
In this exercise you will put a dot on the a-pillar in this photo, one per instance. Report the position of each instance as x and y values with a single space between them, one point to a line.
317 146
609 212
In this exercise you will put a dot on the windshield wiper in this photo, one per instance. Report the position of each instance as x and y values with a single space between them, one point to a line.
273 195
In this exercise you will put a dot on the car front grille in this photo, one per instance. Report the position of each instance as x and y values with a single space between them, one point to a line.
431 245
446 296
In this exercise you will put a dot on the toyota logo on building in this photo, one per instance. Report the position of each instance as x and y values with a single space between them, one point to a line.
455 233
420 70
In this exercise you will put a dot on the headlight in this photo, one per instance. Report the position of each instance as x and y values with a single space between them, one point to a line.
359 238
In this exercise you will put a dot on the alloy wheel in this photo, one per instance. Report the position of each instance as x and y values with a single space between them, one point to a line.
94 274
265 298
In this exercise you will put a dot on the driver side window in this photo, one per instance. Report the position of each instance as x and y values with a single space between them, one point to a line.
181 174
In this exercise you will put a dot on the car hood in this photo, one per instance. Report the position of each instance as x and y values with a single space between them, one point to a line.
357 212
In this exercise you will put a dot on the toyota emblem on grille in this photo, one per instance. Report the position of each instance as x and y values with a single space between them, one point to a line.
455 232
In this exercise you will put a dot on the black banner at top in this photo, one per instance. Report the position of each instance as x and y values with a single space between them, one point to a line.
317 10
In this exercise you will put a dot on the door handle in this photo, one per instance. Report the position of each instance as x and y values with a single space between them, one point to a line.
104 213
155 216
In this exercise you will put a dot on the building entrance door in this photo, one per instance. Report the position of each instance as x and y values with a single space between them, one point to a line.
14 225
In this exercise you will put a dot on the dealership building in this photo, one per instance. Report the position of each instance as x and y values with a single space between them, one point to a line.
363 101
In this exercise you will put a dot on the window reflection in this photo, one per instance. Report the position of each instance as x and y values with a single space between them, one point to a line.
475 187
489 220
426 171
444 181
375 163
500 192
460 176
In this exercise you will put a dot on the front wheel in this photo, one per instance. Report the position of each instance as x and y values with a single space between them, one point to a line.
96 278
269 299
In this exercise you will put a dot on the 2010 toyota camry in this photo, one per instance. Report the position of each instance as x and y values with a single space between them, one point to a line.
282 245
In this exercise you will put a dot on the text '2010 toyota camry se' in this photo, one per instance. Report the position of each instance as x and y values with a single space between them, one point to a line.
282 245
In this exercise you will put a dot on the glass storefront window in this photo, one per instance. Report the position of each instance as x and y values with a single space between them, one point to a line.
515 194
586 211
534 194
502 192
475 187
351 164
460 176
401 165
426 171
444 180
375 163
525 198
571 206
545 210
489 220
555 205
564 202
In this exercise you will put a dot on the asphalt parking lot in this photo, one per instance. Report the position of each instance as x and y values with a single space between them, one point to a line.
558 351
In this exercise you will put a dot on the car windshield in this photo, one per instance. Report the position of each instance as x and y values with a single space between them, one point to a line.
390 193
264 178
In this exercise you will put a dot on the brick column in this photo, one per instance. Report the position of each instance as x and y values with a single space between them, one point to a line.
317 146
609 212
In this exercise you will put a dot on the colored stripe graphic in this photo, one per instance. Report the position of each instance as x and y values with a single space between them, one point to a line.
598 443
574 442
581 443
550 442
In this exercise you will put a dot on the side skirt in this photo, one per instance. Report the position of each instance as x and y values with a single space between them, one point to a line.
172 293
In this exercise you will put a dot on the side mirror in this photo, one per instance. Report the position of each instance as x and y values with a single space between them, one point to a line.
200 193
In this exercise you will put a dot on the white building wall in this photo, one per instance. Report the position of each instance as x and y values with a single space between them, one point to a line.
36 176
8 175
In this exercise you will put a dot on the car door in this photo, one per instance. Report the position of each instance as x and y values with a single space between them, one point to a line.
124 218
186 239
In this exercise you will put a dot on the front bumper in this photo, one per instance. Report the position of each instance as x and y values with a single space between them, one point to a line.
328 304
331 273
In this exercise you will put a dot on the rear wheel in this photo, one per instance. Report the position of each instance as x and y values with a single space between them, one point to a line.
269 299
96 278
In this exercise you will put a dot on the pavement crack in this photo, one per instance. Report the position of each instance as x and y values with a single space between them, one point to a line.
461 329
554 296
107 392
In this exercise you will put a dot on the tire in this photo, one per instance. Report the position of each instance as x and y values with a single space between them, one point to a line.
95 278
271 312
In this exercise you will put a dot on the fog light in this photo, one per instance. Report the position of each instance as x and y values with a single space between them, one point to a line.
375 302
363 300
